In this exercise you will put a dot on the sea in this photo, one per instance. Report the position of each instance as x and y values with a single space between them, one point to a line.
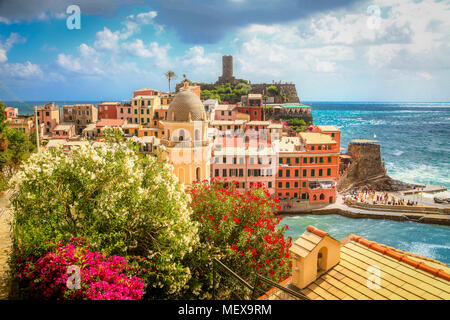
414 137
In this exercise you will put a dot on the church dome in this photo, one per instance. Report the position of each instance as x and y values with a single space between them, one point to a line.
185 107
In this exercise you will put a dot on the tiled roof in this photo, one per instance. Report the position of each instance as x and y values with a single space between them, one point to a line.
110 123
403 275
328 128
316 138
307 241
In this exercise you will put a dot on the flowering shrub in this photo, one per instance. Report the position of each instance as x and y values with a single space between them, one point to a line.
101 278
241 230
124 203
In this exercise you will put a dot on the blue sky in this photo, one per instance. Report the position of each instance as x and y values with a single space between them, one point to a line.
378 50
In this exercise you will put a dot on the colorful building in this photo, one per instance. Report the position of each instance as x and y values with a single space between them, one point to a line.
245 162
251 104
142 108
22 123
81 115
64 131
186 142
109 110
115 124
48 115
11 112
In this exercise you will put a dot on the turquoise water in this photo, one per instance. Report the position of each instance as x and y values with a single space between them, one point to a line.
414 137
426 240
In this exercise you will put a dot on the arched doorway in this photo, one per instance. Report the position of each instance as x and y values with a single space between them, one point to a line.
197 174
322 256
322 196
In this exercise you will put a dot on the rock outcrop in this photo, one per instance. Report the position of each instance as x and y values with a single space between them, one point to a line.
367 170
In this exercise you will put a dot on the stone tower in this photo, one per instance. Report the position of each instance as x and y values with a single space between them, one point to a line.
227 67
227 70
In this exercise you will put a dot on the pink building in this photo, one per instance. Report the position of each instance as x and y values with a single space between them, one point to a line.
226 112
64 131
11 112
125 112
245 163
49 116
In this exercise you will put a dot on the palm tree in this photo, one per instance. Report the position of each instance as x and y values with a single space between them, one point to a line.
170 75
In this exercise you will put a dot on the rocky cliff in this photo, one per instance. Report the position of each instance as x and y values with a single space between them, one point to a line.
367 170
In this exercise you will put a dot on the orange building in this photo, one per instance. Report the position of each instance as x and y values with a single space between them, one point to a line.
308 168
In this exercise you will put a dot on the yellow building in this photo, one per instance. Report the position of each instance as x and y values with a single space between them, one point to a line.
358 269
185 138
143 108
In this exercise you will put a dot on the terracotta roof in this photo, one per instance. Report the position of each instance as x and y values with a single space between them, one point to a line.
328 128
403 275
110 123
316 138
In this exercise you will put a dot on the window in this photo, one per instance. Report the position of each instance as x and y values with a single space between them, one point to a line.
304 184
229 113
251 160
329 172
297 160
288 160
320 172
321 160
304 172
121 110
332 135
287 185
224 160
296 173
322 196
280 173
295 195
241 172
222 113
311 160
135 111
281 160
313 172
312 147
270 184
296 184
280 185
288 173
329 159
241 160
224 172
47 114
234 160
305 160
145 133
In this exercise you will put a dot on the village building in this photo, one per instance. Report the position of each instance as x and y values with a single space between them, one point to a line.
49 116
81 115
23 123
142 108
65 130
251 104
109 110
11 112
186 142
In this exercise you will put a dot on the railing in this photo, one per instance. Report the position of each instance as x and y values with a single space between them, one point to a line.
243 290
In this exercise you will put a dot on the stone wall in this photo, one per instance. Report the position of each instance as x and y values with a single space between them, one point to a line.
287 88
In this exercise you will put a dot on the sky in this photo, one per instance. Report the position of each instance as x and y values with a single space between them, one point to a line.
347 50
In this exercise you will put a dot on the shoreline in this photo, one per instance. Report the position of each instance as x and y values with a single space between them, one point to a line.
419 218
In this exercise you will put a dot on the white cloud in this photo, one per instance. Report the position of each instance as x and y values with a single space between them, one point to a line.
107 40
25 70
88 62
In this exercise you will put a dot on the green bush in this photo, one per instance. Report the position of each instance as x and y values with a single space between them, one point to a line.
122 202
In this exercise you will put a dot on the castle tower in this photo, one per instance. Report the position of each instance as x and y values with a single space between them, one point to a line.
227 70
188 147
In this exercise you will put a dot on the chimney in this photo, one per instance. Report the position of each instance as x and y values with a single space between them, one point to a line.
313 254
